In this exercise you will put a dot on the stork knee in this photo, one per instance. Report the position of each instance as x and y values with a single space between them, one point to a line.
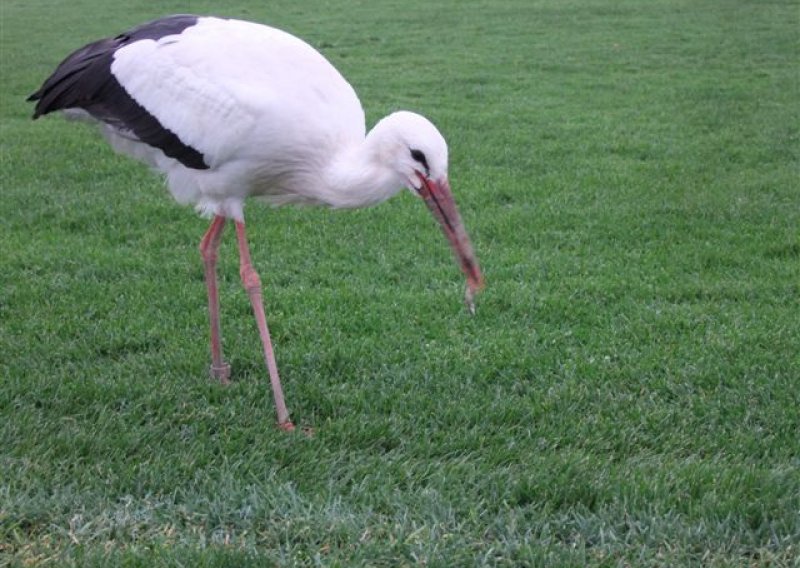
208 253
250 279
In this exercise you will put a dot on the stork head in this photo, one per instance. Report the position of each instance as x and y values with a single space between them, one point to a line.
417 152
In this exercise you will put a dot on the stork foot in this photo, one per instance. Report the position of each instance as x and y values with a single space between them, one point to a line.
286 426
222 373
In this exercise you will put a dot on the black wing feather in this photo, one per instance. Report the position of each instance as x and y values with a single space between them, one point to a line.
84 80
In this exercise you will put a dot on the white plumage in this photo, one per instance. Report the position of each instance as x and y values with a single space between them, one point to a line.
228 110
239 93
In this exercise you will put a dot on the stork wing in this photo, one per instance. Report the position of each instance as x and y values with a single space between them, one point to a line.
84 80
205 90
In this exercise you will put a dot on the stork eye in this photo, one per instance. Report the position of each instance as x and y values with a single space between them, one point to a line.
418 156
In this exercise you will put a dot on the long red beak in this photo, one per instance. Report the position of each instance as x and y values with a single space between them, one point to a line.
439 199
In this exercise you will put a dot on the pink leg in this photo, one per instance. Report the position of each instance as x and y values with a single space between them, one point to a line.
252 284
208 249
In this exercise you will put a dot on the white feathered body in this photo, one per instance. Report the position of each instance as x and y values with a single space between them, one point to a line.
269 113
228 109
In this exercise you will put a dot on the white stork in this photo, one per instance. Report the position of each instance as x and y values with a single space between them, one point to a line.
228 109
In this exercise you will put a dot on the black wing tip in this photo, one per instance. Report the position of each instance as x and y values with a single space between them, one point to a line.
34 98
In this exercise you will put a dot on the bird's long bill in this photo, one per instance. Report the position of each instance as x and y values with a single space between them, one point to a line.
439 199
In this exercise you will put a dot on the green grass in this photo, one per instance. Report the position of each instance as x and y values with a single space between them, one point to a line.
626 395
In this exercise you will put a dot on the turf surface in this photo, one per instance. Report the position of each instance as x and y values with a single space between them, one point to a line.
626 395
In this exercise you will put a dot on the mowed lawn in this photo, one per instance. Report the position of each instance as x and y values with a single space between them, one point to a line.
627 394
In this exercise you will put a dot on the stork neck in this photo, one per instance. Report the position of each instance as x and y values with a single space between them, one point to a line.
361 174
